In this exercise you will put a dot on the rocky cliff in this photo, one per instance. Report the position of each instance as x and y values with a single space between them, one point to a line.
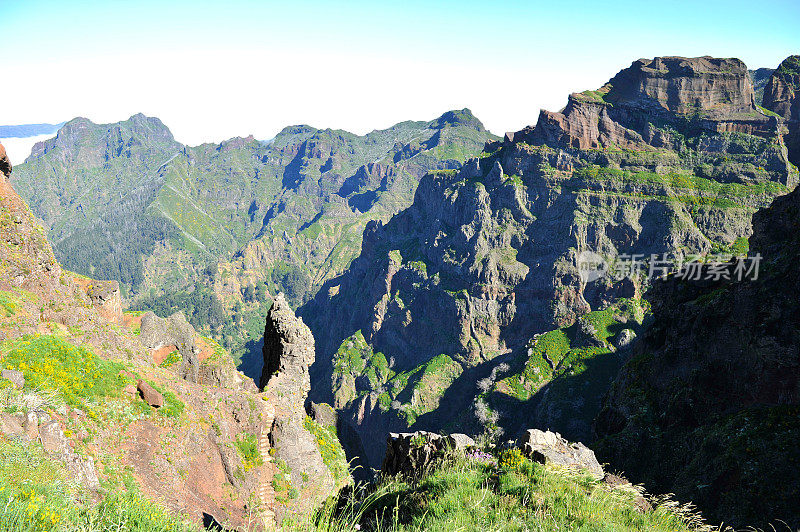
782 96
446 299
707 405
91 397
695 95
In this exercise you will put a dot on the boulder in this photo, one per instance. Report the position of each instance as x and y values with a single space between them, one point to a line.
413 453
149 394
130 389
460 441
550 448
16 377
10 425
624 338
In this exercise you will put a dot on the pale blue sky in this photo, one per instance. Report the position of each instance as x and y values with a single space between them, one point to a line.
212 70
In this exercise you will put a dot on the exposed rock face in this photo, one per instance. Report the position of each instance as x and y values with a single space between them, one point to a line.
159 333
782 93
288 348
288 213
714 95
707 406
550 448
454 287
288 353
105 296
782 96
5 164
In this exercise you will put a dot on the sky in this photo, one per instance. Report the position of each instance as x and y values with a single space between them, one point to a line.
215 70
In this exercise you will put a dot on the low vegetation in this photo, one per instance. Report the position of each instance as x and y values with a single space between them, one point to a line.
44 500
502 493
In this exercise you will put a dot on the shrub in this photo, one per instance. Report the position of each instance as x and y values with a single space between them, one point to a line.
247 445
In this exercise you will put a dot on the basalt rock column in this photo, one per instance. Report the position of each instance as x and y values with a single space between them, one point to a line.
288 350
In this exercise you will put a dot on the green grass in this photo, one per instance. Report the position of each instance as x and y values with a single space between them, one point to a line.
51 363
172 359
462 494
702 190
9 302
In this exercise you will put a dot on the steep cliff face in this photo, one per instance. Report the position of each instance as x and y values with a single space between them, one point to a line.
782 96
450 291
707 406
91 395
695 95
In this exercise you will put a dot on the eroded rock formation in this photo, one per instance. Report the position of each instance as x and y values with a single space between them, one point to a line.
702 93
288 354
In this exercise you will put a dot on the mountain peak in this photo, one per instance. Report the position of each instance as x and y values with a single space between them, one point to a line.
463 117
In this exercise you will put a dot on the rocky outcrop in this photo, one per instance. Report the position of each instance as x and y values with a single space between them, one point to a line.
163 335
5 164
698 94
288 353
707 405
550 448
412 454
288 350
105 297
782 92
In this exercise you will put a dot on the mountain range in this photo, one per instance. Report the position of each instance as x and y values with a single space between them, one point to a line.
441 270
211 229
